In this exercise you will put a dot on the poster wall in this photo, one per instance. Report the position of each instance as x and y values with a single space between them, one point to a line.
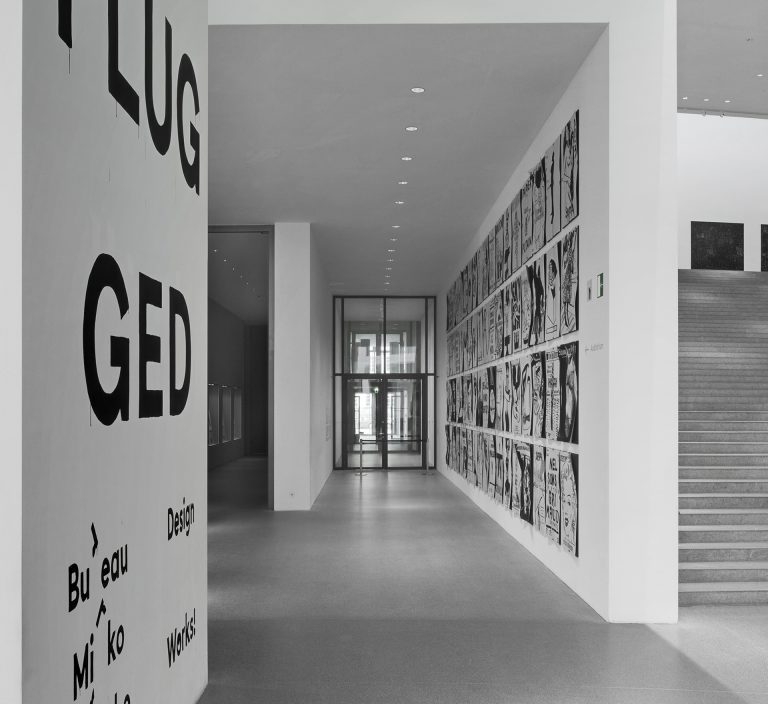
114 339
513 353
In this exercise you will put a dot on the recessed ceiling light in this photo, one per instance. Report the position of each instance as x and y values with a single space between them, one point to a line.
395 227
760 75
390 250
685 97
402 183
390 260
706 100
727 101
225 260
411 128
389 268
406 158
393 239
399 202
417 89
386 283
215 250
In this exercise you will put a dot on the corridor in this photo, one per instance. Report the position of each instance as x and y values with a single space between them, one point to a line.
395 588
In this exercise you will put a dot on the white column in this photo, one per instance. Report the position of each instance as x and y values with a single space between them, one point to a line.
10 354
289 367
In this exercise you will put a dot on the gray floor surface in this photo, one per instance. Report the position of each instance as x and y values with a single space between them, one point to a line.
396 588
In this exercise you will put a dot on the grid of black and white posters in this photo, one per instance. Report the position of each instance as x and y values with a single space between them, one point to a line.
512 393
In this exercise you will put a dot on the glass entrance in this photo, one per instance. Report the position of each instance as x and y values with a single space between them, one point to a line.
384 370
384 422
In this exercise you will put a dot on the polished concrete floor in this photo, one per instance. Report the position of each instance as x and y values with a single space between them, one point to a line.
396 588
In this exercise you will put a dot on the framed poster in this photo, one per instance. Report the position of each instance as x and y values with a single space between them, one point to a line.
569 166
552 170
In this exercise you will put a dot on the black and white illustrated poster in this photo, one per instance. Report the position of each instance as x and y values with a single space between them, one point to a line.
536 284
482 272
526 210
490 321
503 396
506 424
506 296
569 502
552 169
552 293
569 283
526 303
569 165
507 234
553 394
539 489
537 395
553 496
490 373
517 387
491 261
509 461
515 313
501 253
526 393
539 196
516 230
500 334
569 392
523 450
498 483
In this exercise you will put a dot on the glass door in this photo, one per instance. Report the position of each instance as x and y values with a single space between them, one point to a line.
365 415
405 431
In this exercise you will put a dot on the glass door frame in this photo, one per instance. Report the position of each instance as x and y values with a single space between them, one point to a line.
382 414
428 439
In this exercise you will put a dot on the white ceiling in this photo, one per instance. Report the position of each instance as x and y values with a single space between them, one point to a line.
722 46
238 273
308 124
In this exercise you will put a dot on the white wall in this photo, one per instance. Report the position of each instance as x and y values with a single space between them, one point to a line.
641 349
95 184
301 327
10 352
587 575
321 419
722 178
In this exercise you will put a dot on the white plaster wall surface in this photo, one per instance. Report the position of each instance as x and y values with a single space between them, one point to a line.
321 350
10 352
94 183
641 349
721 178
290 371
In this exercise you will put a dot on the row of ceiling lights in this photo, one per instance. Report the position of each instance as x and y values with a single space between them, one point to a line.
391 250
727 100
234 269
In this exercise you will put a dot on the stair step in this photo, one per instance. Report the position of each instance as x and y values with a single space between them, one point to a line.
724 448
734 460
723 517
739 437
708 533
703 572
722 501
724 473
696 594
710 415
719 552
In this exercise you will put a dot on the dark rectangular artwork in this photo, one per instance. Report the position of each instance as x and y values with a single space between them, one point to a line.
517 418
516 232
526 209
569 283
552 169
526 392
536 283
569 392
516 306
764 248
569 171
526 481
490 416
508 472
539 204
502 395
552 293
507 235
717 245
538 395
501 254
491 262
526 306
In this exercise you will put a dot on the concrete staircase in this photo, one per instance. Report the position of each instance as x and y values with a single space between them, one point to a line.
723 526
